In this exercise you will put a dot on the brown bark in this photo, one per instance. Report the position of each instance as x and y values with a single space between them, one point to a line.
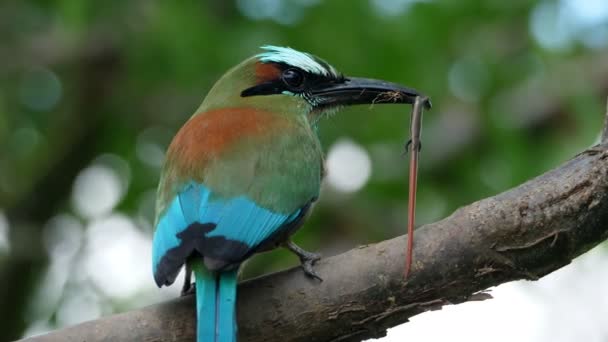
524 233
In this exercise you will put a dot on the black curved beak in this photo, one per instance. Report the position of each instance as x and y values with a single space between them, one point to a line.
356 90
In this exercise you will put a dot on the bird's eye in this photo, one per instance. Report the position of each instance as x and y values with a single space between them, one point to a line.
293 78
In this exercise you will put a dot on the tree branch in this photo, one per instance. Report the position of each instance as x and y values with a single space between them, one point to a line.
524 233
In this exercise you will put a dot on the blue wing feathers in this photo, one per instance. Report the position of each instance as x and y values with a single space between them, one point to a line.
165 236
190 199
226 228
244 221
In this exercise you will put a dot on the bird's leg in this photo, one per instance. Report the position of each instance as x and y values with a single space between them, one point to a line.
188 287
307 259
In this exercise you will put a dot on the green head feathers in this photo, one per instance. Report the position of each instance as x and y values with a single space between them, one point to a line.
284 80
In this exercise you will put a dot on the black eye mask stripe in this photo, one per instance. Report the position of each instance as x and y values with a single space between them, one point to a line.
278 86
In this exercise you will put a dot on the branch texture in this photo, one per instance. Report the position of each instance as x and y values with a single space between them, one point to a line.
524 233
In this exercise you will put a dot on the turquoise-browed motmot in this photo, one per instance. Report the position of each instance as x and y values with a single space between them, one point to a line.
242 174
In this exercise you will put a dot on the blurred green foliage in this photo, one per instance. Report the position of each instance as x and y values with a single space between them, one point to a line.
517 87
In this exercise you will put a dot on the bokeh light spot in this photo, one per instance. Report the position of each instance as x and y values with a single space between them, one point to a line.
117 257
119 166
391 8
556 25
349 166
4 231
24 141
148 146
282 12
550 27
37 328
589 12
40 89
81 305
259 9
467 79
62 238
97 190
147 207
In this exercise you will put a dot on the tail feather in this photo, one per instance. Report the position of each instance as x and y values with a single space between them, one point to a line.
227 305
215 304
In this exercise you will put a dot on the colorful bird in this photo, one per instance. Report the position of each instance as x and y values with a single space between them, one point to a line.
241 175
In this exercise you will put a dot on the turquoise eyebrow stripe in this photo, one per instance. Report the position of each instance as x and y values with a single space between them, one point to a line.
302 60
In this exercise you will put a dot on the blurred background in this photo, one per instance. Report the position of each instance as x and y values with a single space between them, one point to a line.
91 93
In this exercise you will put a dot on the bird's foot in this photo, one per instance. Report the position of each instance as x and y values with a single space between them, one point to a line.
307 266
188 289
307 259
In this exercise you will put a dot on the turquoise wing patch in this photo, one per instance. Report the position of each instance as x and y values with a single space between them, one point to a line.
225 230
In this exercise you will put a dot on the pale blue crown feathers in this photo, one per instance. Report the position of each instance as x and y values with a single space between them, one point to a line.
301 60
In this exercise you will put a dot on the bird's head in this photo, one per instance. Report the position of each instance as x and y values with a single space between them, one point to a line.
288 81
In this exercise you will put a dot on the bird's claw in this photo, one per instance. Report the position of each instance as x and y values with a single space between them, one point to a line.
307 264
188 289
307 259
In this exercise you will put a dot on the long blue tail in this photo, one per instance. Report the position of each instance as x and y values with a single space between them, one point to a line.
215 304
